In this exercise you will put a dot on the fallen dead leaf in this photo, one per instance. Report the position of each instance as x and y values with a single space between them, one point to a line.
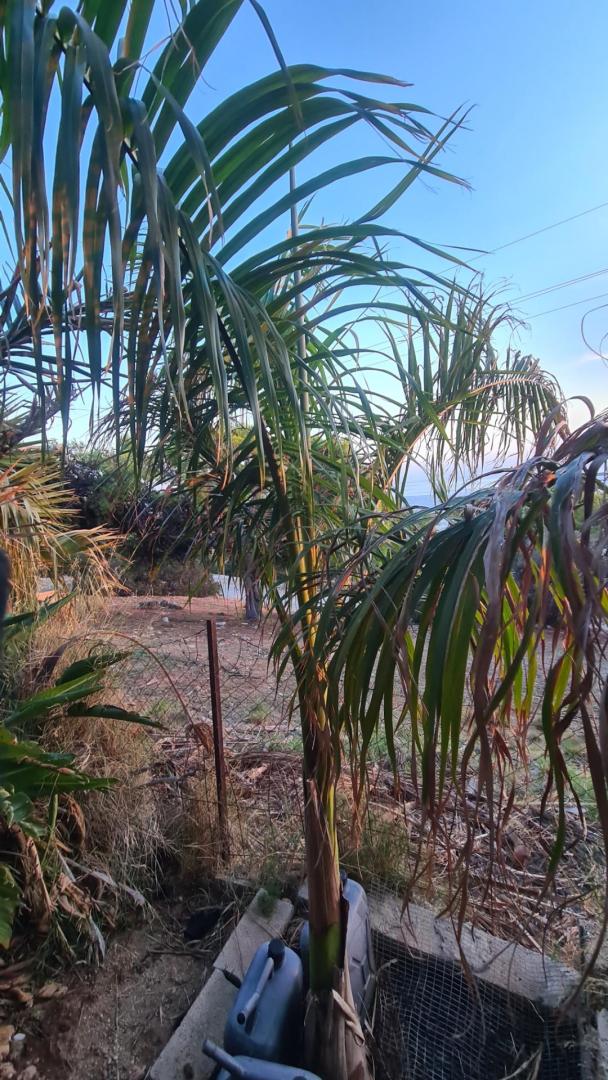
51 990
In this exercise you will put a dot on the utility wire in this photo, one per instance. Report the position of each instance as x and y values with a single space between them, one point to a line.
549 311
528 318
549 288
528 236
555 288
561 285
545 228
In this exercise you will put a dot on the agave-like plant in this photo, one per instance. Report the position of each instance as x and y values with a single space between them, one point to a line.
33 779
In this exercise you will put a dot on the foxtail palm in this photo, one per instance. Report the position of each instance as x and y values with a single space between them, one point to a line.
161 207
330 473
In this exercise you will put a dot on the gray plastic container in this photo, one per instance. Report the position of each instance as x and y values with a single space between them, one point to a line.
359 947
267 1016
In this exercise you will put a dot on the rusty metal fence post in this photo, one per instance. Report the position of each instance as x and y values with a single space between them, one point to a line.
218 738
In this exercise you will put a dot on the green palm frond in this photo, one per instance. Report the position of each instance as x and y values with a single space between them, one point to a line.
462 402
213 320
162 225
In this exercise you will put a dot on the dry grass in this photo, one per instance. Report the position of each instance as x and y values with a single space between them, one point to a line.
152 823
39 534
156 819
127 827
55 642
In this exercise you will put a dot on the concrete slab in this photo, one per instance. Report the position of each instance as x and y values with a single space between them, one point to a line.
505 964
258 924
602 1045
182 1057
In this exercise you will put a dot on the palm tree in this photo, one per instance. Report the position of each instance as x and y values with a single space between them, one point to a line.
39 534
197 329
332 471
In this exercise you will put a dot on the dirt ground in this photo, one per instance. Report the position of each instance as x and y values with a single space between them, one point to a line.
111 1022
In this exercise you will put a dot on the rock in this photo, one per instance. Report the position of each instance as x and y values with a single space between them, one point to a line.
7 1071
29 1073
521 854
17 1045
51 990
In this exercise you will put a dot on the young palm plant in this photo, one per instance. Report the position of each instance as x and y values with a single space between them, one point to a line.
330 471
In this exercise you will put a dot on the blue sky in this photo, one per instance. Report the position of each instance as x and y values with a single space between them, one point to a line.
534 150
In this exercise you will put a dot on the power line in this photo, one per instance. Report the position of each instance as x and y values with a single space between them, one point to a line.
549 288
535 315
563 307
528 236
545 228
562 285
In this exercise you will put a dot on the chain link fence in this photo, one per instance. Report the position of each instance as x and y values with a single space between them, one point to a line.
170 675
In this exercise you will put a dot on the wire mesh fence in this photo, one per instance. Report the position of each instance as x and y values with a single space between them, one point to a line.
431 1022
422 1003
435 1023
166 675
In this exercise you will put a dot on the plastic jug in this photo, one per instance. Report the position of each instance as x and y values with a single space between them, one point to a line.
359 947
266 1018
248 1068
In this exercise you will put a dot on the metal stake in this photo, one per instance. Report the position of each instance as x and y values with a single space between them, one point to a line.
218 738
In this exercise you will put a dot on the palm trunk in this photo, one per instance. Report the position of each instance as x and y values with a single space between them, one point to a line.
324 908
334 1041
333 1036
5 585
